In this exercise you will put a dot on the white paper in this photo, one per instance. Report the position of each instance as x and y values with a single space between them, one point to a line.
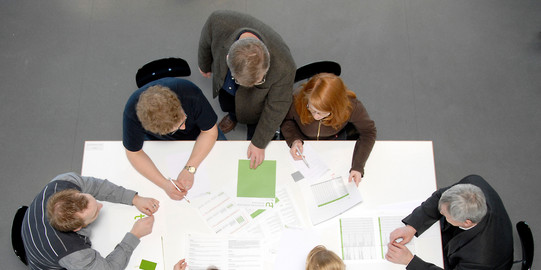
330 198
317 166
366 238
224 252
222 214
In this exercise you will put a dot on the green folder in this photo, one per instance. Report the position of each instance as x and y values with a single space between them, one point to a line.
258 183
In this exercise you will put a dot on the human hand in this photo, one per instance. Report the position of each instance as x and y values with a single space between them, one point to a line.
355 176
398 253
148 206
143 226
185 180
405 233
181 265
293 150
256 156
172 191
205 74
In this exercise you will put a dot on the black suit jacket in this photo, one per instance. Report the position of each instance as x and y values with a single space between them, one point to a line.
488 245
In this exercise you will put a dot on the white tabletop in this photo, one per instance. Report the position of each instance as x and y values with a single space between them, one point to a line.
398 175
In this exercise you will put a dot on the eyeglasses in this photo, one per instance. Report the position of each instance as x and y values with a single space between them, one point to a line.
257 83
316 112
181 124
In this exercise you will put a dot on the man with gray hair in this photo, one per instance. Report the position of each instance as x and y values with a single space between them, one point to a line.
475 228
252 74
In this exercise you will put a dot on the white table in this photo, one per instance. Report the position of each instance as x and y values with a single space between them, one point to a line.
397 172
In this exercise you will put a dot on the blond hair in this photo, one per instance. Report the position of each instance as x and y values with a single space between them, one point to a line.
159 109
320 258
63 210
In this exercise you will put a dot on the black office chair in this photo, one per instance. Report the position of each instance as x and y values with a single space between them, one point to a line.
309 70
16 239
161 68
526 241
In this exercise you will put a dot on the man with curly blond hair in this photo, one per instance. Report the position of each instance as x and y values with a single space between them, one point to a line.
169 109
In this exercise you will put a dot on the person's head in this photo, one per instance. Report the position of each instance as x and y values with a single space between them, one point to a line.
249 60
463 205
324 97
160 111
70 210
321 258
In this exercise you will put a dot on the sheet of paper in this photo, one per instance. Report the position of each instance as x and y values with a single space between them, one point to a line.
224 252
317 167
256 187
366 238
221 213
288 209
330 198
201 183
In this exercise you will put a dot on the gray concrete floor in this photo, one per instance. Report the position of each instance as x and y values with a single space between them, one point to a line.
464 74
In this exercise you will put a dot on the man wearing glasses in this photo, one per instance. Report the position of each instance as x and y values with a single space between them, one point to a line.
169 109
252 74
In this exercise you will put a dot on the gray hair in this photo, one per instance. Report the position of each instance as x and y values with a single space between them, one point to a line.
248 59
464 201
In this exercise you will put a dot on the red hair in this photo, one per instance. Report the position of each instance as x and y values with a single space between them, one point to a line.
326 92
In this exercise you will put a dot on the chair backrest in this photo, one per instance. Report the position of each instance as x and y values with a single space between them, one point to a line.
526 241
161 68
307 71
16 239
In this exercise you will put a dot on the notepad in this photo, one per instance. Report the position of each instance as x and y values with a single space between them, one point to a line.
256 187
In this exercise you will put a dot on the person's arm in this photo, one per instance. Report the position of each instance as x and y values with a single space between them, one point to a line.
90 259
144 165
290 128
204 52
203 144
425 215
276 107
367 130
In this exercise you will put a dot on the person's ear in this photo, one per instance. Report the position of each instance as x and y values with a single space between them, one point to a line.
78 229
468 223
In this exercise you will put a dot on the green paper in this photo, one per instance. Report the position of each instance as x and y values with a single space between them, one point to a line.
258 183
147 265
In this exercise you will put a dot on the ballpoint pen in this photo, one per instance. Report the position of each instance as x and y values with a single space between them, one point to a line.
303 159
171 180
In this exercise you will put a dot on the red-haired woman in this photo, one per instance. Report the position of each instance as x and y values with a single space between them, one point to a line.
321 109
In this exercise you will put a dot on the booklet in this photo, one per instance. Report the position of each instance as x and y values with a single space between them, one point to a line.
256 188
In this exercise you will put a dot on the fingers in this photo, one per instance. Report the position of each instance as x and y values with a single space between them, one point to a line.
181 265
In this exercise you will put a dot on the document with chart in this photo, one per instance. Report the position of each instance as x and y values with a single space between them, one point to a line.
330 198
366 238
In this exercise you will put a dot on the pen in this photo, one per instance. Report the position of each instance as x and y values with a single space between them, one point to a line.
171 180
303 159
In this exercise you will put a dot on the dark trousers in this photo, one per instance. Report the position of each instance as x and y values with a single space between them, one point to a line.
227 104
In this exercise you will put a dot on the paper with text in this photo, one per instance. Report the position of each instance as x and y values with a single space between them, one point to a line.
366 238
224 252
317 166
222 214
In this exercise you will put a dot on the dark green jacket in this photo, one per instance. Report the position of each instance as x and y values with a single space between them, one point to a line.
265 105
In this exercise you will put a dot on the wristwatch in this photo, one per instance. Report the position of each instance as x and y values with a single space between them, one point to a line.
190 169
